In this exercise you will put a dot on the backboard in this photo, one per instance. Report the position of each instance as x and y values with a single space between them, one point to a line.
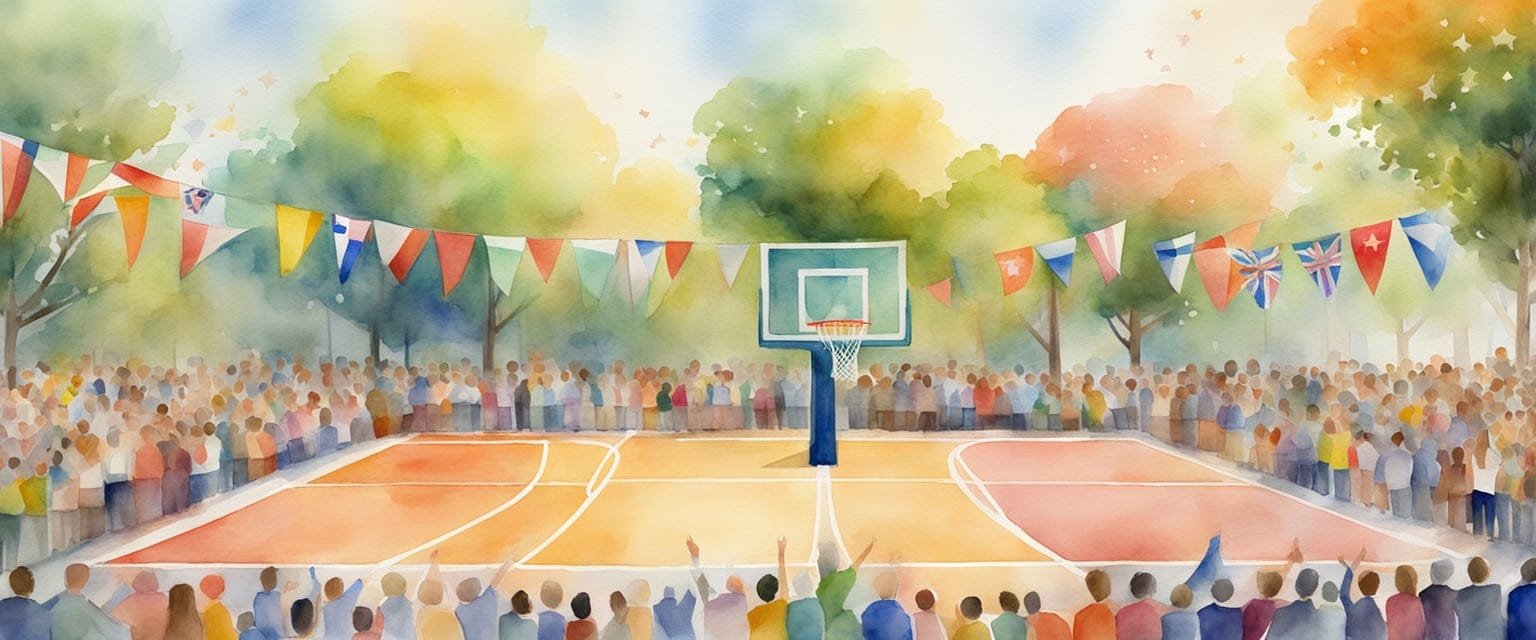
805 283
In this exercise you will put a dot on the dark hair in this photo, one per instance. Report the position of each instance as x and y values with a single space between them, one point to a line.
1098 585
924 598
1007 601
303 615
362 619
768 588
1031 603
1306 583
22 582
1142 585
970 607
521 604
1221 590
1370 581
581 606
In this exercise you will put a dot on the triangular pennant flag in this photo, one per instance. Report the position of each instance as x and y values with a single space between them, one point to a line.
1107 245
502 255
546 252
349 234
453 252
677 252
147 182
84 208
1015 267
296 229
1323 259
731 258
134 213
1218 272
399 246
202 205
16 167
941 291
1431 243
1370 244
1260 271
1173 256
64 170
198 241
594 261
1058 256
642 257
957 287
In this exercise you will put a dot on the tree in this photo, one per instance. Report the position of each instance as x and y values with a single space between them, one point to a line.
97 101
1159 158
1444 92
472 129
842 151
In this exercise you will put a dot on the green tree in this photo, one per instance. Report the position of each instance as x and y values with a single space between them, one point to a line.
97 100
1445 92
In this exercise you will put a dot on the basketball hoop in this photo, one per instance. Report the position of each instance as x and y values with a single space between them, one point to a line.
842 338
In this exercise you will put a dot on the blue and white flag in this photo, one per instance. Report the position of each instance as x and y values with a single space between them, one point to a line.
349 234
1431 242
641 257
1260 270
1058 256
1173 256
1323 259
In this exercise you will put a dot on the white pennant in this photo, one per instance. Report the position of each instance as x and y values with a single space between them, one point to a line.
731 258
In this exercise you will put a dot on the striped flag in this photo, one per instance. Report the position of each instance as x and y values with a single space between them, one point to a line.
1431 243
1058 256
199 240
1173 256
399 246
1106 245
349 235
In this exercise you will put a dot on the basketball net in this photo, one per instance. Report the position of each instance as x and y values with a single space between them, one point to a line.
842 338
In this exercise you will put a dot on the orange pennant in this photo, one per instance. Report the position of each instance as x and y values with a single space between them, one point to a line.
677 252
1015 267
941 291
546 251
18 172
134 212
453 251
84 208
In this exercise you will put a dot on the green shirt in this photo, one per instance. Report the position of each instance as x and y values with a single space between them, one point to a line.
1009 626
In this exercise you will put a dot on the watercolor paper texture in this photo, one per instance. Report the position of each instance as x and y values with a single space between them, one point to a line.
797 320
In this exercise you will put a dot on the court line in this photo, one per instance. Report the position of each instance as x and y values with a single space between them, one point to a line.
592 494
981 564
1397 535
230 502
837 532
816 517
452 533
956 465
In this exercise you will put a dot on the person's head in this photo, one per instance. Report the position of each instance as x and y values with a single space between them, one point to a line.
581 606
886 585
1269 583
1031 603
1221 590
1098 585
1306 583
22 582
269 579
638 591
521 604
1330 592
828 558
1478 570
362 619
212 586
970 607
302 617
183 600
550 594
76 576
1370 581
1143 585
146 582
393 584
1440 571
245 622
1007 601
468 590
734 584
1406 579
334 588
804 585
1181 597
924 600
618 604
430 593
767 588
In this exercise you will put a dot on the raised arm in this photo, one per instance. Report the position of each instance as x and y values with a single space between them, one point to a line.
501 573
1293 558
434 573
863 555
698 572
1349 578
783 573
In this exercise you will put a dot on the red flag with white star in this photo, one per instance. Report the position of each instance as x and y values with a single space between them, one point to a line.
1015 267
1370 244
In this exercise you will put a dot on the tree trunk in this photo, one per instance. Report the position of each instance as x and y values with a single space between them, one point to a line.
1523 307
1403 337
488 344
373 344
12 333
1133 334
1053 350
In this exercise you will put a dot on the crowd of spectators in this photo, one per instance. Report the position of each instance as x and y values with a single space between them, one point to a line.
810 606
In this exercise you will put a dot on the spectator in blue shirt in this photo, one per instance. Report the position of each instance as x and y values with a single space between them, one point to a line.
551 622
21 617
1362 618
674 616
1218 621
515 625
884 619
1478 609
478 608
1522 603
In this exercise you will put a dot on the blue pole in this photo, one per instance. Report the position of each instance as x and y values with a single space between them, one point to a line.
823 409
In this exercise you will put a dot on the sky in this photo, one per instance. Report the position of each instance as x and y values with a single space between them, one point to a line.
1002 69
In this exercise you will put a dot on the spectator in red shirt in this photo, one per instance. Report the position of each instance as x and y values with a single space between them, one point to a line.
1095 621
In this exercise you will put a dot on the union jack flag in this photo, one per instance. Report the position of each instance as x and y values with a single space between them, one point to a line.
1260 272
1323 259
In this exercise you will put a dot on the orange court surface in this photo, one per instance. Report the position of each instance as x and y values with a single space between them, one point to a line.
971 513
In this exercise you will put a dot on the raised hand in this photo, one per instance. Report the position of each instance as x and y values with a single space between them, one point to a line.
693 547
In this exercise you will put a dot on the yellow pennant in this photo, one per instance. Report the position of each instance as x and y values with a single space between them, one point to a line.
296 228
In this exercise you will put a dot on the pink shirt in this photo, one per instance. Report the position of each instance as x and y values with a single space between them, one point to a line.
1405 617
1139 620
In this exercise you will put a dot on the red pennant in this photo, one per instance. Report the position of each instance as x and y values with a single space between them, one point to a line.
18 171
546 251
84 208
74 174
453 251
148 182
193 235
1015 267
677 252
1370 244
941 291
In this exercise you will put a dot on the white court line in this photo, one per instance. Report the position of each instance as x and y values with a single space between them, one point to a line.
592 494
816 517
957 464
231 501
837 533
1397 535
435 542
